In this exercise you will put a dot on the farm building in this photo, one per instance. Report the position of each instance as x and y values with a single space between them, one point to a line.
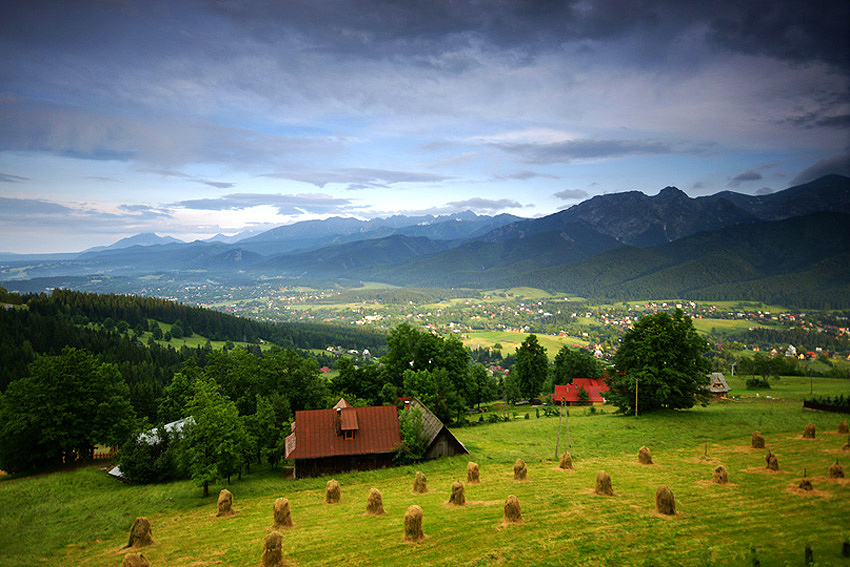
569 393
441 441
717 384
343 438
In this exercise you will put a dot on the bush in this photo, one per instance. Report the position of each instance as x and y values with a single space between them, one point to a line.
756 383
144 462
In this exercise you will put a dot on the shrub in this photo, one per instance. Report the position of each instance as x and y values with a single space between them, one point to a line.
756 383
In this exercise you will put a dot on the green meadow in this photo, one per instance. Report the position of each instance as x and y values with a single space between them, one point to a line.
511 341
82 517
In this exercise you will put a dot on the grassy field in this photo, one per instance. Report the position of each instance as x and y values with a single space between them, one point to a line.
83 517
511 341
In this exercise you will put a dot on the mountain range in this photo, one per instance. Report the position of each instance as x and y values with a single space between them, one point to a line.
790 246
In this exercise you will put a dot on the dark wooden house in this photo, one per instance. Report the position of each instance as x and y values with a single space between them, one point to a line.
441 441
343 438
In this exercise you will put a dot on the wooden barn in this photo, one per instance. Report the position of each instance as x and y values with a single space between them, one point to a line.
343 438
441 441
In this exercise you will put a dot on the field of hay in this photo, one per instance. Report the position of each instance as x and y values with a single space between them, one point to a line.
83 517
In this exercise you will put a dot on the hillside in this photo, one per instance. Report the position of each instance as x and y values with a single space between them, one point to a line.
784 261
564 521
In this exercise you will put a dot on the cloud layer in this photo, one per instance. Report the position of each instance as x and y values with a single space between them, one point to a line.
193 116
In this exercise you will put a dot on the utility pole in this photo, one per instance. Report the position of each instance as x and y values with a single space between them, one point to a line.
636 395
558 442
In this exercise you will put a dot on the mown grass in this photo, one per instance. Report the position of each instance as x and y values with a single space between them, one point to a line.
511 341
83 517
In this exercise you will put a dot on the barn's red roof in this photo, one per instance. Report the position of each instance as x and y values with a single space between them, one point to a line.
569 392
317 434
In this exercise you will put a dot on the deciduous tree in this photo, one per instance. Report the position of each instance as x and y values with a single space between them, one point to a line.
665 355
530 367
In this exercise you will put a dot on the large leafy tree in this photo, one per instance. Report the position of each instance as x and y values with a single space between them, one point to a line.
665 355
217 436
571 364
435 369
530 367
68 404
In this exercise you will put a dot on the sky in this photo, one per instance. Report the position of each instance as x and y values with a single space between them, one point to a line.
193 118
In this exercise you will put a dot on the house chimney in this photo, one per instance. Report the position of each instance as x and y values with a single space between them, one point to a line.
339 421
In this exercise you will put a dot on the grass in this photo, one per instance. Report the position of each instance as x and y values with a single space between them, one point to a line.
791 387
511 341
83 517
725 325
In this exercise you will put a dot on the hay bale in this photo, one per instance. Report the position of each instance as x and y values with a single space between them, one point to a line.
566 462
225 503
772 461
721 476
603 484
140 533
644 456
472 473
135 560
513 512
836 470
520 470
282 515
458 498
846 446
664 502
413 524
805 484
420 483
375 503
842 427
757 441
272 550
809 431
332 492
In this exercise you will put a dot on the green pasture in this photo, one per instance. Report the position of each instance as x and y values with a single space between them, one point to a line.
796 388
82 517
511 341
193 342
725 325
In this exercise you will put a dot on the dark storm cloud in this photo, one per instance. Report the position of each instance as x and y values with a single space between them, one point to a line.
745 177
285 204
791 29
358 178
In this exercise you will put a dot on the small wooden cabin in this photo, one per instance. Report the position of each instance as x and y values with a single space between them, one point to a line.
441 441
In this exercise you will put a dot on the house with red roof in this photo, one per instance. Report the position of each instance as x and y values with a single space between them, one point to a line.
343 438
569 393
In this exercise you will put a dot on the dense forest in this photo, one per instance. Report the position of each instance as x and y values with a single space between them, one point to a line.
109 327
